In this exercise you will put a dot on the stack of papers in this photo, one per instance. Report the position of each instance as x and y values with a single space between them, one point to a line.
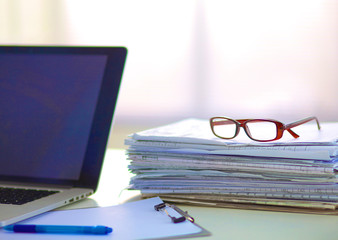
184 162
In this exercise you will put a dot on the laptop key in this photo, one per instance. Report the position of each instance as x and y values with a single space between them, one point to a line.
19 196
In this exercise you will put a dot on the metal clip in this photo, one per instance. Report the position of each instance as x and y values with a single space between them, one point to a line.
184 214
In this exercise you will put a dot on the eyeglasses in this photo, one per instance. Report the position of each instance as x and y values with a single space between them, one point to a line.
261 130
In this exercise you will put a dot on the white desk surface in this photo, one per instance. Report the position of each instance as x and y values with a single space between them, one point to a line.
222 223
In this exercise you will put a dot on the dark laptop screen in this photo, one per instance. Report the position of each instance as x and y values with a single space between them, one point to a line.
47 105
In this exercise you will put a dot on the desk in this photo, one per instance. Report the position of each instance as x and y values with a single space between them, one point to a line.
222 223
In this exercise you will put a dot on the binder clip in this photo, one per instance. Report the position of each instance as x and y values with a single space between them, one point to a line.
184 214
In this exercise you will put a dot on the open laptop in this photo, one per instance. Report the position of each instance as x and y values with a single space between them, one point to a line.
56 108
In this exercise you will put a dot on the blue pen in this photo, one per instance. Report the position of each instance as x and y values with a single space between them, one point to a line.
99 230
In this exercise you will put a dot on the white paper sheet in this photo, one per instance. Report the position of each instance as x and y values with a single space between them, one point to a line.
195 136
135 220
198 131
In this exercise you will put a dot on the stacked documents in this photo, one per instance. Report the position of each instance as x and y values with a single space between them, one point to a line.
184 162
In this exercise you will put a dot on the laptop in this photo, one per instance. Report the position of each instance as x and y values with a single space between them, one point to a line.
56 109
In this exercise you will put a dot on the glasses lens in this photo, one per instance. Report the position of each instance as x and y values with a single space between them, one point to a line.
224 128
262 130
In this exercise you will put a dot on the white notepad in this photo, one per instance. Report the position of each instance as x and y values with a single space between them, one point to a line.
134 220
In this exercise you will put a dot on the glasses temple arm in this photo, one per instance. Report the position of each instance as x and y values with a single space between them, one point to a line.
295 135
299 122
302 121
225 122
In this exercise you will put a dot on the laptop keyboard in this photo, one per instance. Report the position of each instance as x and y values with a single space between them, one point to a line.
19 196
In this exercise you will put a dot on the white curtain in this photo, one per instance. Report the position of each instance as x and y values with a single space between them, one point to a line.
244 58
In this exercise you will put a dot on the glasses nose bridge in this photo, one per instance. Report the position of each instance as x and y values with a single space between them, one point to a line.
242 124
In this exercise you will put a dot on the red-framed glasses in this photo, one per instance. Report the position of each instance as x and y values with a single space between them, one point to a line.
261 130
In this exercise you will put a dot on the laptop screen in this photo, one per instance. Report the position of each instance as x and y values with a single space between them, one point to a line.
48 102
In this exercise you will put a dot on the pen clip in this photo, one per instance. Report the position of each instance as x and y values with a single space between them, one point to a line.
184 214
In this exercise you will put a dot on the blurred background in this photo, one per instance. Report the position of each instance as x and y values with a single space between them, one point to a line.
202 58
